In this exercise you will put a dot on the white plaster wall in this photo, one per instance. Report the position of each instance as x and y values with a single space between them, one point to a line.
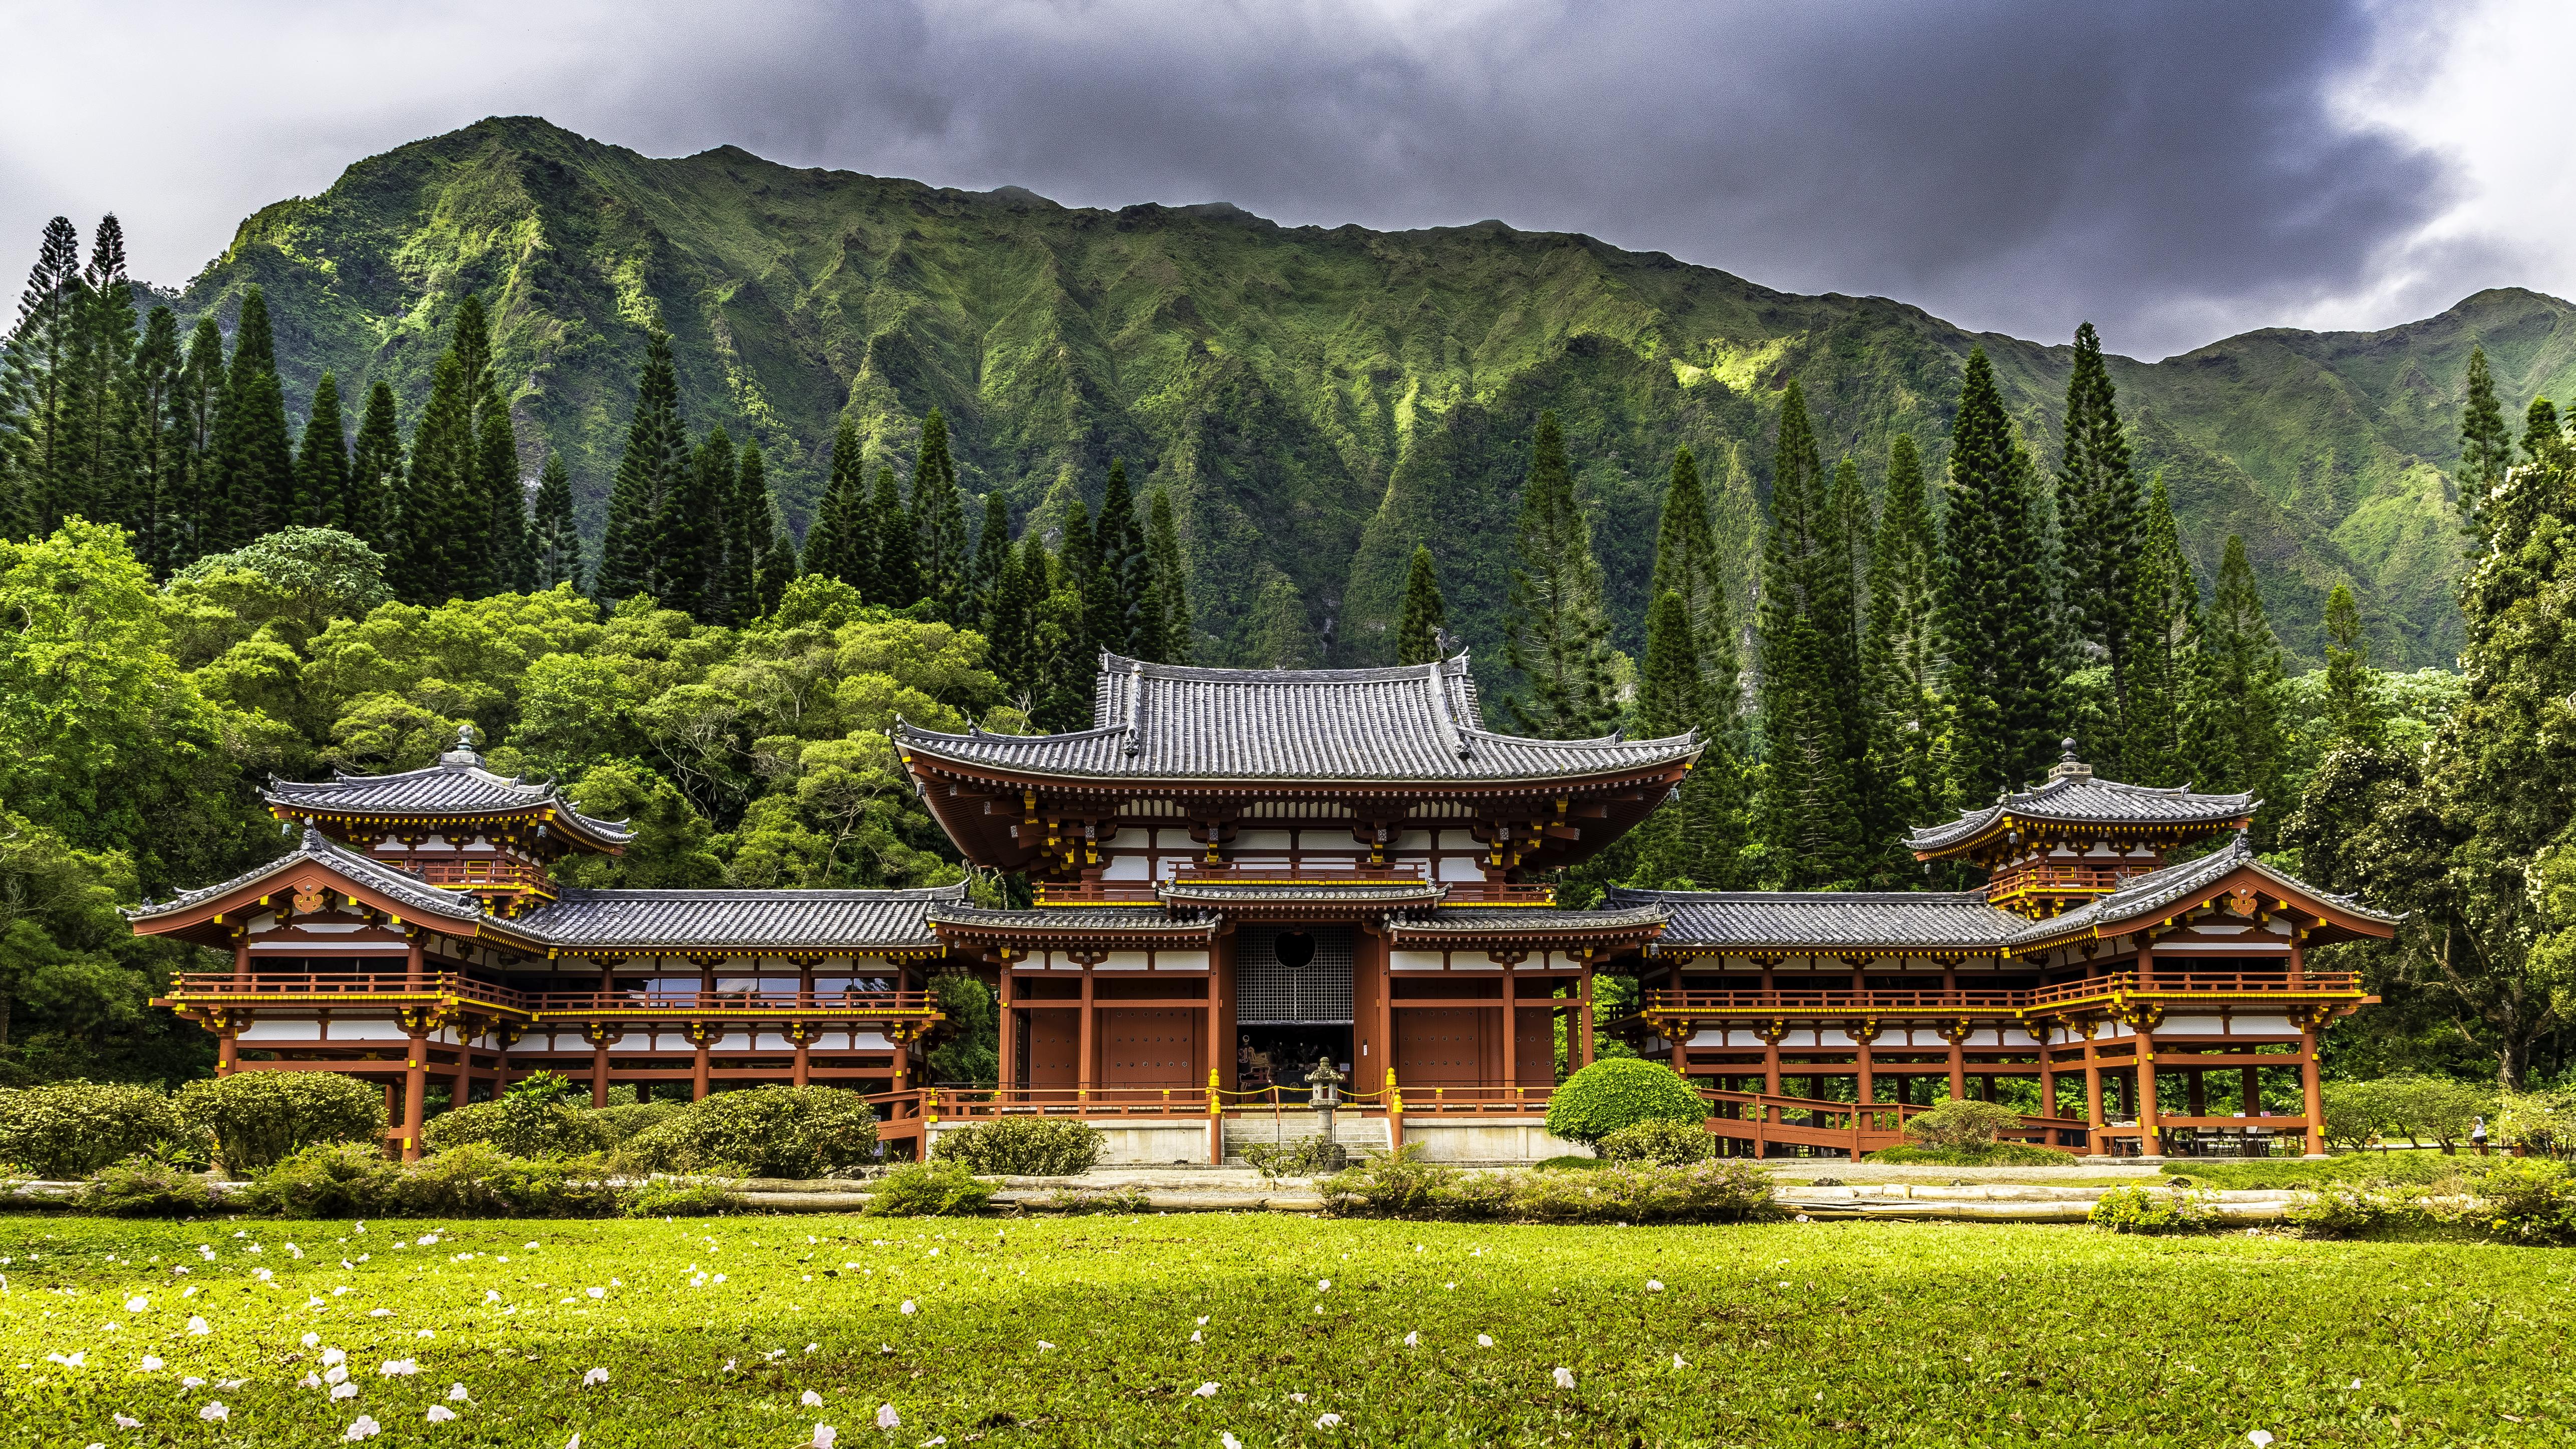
1414 960
1122 961
303 1030
1488 1139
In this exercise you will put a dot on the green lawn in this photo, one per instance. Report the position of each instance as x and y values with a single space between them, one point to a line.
1080 1331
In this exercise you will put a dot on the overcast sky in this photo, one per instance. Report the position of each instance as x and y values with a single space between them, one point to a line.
2176 172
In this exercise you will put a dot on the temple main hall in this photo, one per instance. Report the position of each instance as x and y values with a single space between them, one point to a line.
1235 875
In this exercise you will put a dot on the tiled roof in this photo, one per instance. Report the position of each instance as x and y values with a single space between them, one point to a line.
316 847
457 785
2146 894
709 920
1152 919
1827 920
1164 722
1376 893
2080 799
1471 920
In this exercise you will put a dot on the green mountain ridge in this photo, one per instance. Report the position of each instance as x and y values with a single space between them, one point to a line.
1318 399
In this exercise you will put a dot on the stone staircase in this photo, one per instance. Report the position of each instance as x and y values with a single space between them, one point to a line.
1359 1134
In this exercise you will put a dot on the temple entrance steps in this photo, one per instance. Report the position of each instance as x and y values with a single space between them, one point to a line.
1358 1133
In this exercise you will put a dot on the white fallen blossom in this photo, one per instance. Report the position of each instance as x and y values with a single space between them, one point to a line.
1564 1378
127 1422
215 1413
1654 1286
456 1394
810 1399
1484 1340
200 1327
1329 1421
137 1304
887 1418
1413 1340
441 1414
595 1376
151 1364
365 1428
1204 1391
396 1368
909 1308
343 1391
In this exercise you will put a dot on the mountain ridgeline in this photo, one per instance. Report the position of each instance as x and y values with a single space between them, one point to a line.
1318 402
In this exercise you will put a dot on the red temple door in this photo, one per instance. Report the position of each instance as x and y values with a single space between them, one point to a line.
1440 1046
1153 1047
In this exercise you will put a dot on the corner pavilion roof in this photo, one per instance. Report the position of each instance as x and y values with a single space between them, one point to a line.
1169 722
457 787
1823 922
2073 797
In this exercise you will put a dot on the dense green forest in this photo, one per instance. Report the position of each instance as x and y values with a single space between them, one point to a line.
219 571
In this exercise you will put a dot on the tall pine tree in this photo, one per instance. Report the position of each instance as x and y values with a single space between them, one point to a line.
654 465
2098 518
2235 711
992 555
1901 656
1123 559
1012 630
894 574
153 414
1686 564
1810 810
96 454
554 542
254 486
1418 630
2355 711
376 472
1167 587
2486 448
2164 622
35 371
750 521
840 543
192 510
433 559
322 464
939 523
1557 630
2002 681
691 528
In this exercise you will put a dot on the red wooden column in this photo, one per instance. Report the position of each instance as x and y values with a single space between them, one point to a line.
599 1039
1956 1036
414 965
703 1038
1009 1071
1083 1072
1771 1059
1586 1035
241 957
2150 1134
2312 1092
2249 1095
460 1088
415 1087
2094 1144
2047 1034
1511 1036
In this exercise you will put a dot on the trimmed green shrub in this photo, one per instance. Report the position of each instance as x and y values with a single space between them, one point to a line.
523 1126
326 1180
144 1187
1305 1157
1023 1147
759 1132
1670 1143
929 1190
2527 1200
1395 1184
68 1130
674 1197
1621 1092
2000 1154
2351 1210
1960 1124
1720 1190
258 1119
1078 1200
619 1121
476 1181
2137 1210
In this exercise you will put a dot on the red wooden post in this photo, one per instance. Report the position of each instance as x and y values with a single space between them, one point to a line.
1511 1033
415 1087
2312 1092
1083 1071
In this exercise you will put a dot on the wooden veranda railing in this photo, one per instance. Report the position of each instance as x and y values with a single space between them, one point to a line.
330 989
2150 985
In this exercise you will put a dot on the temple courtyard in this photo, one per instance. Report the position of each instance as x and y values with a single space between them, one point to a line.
1219 1330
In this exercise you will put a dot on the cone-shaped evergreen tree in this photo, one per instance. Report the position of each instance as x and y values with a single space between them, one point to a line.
1068 663
1077 567
2164 623
939 524
1696 837
1686 565
992 554
1123 559
1810 814
554 542
750 519
254 461
655 463
375 473
1671 696
510 565
894 576
96 453
2002 683
153 419
2486 448
776 568
1417 631
2098 521
322 464
1168 585
1016 653
1852 525
36 369
193 509
2235 711
2355 710
1277 632
1556 630
429 561
692 530
840 544
1901 657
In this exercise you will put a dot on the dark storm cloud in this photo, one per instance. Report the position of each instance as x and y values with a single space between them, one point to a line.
2172 171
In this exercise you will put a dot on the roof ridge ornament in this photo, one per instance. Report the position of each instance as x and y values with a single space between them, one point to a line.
463 756
1452 738
2068 767
1135 707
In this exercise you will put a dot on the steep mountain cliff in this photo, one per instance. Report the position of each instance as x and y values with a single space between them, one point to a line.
1318 400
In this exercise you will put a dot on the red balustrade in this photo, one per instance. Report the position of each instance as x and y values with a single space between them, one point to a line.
471 871
2151 984
328 989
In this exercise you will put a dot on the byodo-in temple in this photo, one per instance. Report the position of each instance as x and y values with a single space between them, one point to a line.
1238 874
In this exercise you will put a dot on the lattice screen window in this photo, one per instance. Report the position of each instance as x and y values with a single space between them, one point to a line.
1268 993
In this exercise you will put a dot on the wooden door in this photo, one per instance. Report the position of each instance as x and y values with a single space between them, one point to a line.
1440 1046
1152 1047
1055 1047
1533 1046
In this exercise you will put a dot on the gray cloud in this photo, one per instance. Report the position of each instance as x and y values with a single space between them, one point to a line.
2173 172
